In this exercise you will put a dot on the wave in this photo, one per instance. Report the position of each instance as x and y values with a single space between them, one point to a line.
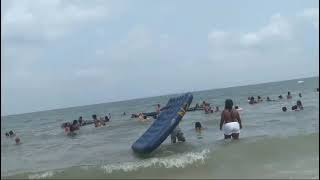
174 161
266 157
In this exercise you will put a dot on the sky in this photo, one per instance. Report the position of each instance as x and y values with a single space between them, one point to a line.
65 53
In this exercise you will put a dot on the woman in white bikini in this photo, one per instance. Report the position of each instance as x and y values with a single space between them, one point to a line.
230 121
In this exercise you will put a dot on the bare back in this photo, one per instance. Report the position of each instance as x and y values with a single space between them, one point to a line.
230 116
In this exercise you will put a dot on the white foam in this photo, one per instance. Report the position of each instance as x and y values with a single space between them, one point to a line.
173 161
41 175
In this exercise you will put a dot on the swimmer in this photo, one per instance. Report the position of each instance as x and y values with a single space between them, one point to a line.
217 109
300 95
230 121
75 126
298 106
259 99
289 95
11 133
17 139
106 119
158 109
237 108
143 118
284 109
80 121
124 113
280 97
7 134
198 127
252 101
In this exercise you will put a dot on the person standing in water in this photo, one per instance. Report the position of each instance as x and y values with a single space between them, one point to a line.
289 95
158 109
230 121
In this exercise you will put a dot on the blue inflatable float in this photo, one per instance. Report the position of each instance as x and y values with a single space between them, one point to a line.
165 123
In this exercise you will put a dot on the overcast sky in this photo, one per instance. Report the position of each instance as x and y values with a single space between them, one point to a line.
63 53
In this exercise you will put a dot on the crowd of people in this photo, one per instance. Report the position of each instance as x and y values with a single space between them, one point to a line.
230 122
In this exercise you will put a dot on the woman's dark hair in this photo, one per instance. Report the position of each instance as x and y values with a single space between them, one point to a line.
94 116
228 104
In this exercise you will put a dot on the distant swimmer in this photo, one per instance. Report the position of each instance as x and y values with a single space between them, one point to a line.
96 121
124 113
80 121
259 99
158 109
230 121
300 95
17 140
75 126
217 109
289 95
143 118
198 126
252 101
268 99
280 97
102 121
284 109
106 119
7 134
237 108
298 106
11 133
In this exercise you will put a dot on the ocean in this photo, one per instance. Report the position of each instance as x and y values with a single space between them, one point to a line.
273 144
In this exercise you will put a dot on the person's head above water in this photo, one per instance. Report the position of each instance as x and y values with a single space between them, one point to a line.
284 109
94 116
299 103
80 118
11 133
236 107
17 139
7 134
288 92
74 122
228 104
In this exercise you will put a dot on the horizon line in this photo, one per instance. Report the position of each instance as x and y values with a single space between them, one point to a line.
137 98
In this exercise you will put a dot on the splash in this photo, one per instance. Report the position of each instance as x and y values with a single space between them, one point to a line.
174 161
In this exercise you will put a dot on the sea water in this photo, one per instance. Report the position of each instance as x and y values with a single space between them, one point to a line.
273 144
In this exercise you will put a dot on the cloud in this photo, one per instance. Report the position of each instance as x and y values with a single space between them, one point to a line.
311 14
49 20
275 45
